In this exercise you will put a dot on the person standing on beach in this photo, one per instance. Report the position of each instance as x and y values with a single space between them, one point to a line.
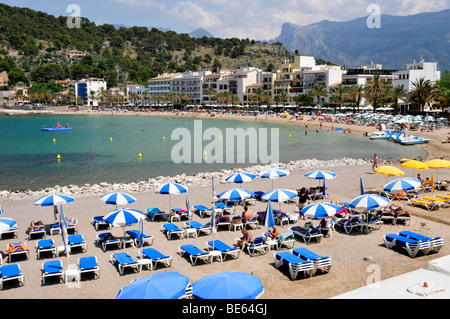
375 162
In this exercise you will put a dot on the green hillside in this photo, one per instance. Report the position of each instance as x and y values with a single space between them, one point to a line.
34 44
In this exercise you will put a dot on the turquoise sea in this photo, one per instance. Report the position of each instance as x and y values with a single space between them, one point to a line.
106 148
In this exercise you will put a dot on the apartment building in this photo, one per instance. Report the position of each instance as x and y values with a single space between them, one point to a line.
414 71
85 87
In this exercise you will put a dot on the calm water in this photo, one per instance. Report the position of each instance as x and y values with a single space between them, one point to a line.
28 156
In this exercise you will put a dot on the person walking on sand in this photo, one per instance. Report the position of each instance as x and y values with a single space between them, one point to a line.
375 162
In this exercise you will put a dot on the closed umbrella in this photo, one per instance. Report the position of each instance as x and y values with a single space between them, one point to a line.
320 210
268 219
1 209
228 285
273 173
118 198
164 285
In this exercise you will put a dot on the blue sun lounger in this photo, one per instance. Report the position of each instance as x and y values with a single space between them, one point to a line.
412 246
154 257
171 229
195 253
44 246
154 212
223 248
98 221
257 245
88 265
322 263
124 260
76 241
436 242
104 242
294 263
11 272
202 210
199 227
52 268
136 236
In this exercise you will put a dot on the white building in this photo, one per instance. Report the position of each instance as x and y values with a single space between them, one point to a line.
415 71
85 88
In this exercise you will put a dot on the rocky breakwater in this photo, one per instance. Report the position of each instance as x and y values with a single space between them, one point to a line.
198 180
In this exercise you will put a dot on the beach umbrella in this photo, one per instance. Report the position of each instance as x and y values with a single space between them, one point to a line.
124 217
6 224
236 194
400 184
268 219
228 285
171 188
320 210
361 186
438 164
273 173
240 178
1 209
164 285
415 164
389 171
321 175
118 198
279 195
53 200
369 202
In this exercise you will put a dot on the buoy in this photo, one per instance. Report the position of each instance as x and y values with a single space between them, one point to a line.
290 136
58 157
205 154
110 139
140 155
220 137
164 138
54 140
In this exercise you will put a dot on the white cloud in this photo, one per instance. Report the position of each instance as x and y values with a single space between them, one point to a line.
194 15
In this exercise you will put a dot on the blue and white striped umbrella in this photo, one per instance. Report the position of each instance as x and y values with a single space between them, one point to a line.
53 200
236 194
400 184
273 173
369 202
240 178
124 217
279 195
172 188
320 210
1 209
321 175
268 219
6 224
118 198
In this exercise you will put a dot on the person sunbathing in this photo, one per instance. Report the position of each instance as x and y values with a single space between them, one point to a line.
36 225
17 247
274 232
71 221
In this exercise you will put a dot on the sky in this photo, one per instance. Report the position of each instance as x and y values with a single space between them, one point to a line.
253 19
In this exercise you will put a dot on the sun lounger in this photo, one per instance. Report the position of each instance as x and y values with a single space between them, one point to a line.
388 217
404 218
223 208
11 272
76 241
412 246
445 197
374 222
52 268
258 195
281 217
224 249
171 229
14 249
181 213
286 239
88 265
195 254
98 221
45 246
252 224
436 242
12 228
322 263
202 210
294 264
257 245
154 257
54 229
72 225
308 234
36 233
104 240
124 260
439 201
199 227
136 236
154 212
222 221
429 205
349 225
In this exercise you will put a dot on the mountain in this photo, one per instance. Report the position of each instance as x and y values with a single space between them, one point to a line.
200 33
399 40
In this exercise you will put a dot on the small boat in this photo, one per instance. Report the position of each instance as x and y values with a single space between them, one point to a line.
56 129
411 140
378 135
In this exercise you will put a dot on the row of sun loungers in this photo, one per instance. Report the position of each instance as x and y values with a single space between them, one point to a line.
413 243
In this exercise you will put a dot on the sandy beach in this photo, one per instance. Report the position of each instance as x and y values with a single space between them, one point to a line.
352 253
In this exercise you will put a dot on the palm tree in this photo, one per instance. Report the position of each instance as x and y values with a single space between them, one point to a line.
423 92
341 93
376 89
145 96
397 93
211 92
158 98
170 96
356 93
318 91
92 97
